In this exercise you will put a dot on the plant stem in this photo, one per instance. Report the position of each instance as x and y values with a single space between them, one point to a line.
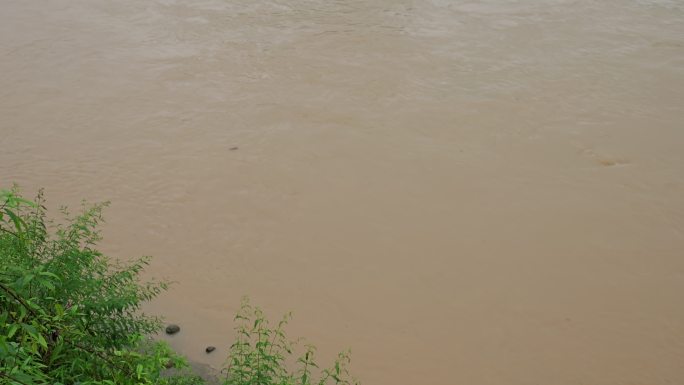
12 378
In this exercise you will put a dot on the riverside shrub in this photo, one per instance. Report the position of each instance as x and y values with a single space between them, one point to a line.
68 313
71 315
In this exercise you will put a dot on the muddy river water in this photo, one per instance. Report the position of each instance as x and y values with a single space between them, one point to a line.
485 192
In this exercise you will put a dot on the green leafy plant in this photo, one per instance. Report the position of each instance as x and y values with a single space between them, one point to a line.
263 355
68 313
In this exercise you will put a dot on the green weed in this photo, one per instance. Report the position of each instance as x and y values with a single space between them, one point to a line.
263 355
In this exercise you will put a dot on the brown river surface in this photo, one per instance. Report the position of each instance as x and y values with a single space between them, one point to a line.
479 192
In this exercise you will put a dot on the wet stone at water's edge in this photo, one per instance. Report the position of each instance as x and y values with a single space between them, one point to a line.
172 329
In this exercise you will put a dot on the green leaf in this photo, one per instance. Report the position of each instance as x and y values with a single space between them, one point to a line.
30 329
13 329
25 202
47 284
48 274
18 222
42 342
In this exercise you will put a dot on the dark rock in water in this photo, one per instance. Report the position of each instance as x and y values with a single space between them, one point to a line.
172 329
234 148
209 349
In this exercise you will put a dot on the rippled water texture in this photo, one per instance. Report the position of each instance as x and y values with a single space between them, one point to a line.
463 192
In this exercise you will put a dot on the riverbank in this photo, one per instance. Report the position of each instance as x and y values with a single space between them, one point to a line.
70 313
446 187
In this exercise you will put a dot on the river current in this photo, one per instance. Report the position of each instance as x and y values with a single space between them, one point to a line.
485 192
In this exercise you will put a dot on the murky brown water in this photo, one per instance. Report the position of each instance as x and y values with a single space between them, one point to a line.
463 192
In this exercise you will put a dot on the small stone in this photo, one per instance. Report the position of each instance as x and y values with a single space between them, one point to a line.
172 329
210 349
